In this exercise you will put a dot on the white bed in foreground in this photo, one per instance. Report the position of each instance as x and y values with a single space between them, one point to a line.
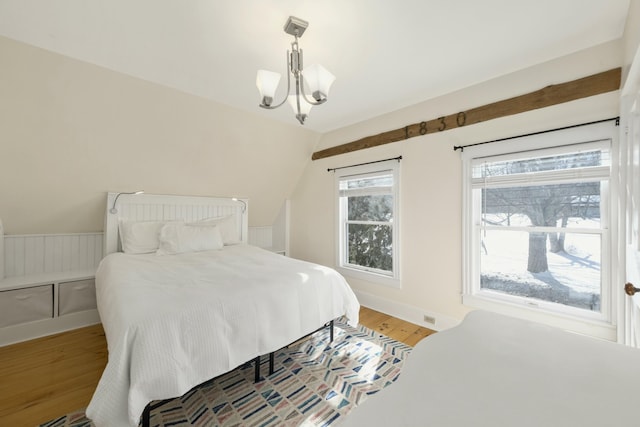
498 371
175 321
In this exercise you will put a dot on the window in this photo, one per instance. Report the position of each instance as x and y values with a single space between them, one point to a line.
368 222
537 229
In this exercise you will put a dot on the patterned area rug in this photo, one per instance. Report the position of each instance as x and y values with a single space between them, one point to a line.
314 383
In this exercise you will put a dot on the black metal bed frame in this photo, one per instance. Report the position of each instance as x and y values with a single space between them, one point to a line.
146 414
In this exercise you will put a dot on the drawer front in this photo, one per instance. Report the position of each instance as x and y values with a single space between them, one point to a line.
26 305
79 295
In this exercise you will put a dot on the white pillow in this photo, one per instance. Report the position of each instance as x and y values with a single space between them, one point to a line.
140 237
227 225
178 237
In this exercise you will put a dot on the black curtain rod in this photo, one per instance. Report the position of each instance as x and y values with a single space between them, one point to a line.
462 147
362 164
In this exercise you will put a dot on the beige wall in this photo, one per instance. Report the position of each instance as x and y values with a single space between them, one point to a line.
631 37
431 188
71 131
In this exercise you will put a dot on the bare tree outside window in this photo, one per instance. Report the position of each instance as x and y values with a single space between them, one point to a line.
531 244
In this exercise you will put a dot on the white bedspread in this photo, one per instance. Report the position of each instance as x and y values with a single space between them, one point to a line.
497 371
173 322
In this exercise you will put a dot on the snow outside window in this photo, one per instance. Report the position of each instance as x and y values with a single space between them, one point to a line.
537 230
367 215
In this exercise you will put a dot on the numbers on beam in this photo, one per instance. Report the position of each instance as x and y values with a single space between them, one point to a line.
423 128
461 118
426 127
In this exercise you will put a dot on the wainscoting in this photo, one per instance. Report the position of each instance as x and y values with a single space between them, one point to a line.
32 254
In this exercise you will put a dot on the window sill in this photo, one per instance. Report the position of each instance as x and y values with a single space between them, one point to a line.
591 327
371 277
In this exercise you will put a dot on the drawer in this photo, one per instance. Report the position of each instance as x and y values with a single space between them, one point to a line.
26 305
79 295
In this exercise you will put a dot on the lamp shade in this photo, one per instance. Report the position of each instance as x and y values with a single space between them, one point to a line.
267 83
319 81
305 107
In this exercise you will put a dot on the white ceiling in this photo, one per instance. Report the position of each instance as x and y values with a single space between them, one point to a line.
386 54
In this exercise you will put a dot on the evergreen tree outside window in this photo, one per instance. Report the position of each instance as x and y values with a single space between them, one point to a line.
368 221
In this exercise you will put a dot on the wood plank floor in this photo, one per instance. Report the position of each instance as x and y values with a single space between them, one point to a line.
392 327
51 376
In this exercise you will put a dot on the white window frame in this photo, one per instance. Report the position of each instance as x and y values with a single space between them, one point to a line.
391 279
602 325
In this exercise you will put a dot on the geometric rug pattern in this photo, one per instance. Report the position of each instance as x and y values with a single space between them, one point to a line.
314 383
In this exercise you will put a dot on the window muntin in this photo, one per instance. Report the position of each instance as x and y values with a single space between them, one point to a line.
541 229
368 224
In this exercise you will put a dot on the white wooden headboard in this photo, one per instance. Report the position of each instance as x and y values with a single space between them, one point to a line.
160 207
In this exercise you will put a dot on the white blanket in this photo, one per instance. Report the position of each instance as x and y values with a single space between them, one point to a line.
498 371
175 321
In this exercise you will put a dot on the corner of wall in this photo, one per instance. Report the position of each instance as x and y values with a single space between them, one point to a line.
1 251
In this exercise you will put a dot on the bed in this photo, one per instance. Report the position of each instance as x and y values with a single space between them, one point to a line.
494 370
190 310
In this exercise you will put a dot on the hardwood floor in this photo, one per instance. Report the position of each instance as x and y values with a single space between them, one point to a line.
392 327
51 376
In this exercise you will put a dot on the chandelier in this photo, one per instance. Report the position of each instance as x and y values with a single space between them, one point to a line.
315 79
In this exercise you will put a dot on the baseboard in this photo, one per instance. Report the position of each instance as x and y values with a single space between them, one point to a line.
407 312
28 331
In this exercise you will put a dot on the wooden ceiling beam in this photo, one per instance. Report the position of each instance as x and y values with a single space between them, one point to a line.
596 84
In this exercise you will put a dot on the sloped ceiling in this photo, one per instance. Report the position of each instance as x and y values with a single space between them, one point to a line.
385 54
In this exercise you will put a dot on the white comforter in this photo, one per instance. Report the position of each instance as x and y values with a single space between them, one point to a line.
175 321
498 371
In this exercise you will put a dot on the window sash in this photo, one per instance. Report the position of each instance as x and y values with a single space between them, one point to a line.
344 191
570 175
368 268
602 145
540 229
593 172
361 222
345 256
488 268
371 191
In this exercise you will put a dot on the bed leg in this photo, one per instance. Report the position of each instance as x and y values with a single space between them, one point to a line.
271 363
146 416
257 369
331 331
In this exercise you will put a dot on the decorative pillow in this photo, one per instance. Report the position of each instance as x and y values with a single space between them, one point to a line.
140 237
178 237
227 225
